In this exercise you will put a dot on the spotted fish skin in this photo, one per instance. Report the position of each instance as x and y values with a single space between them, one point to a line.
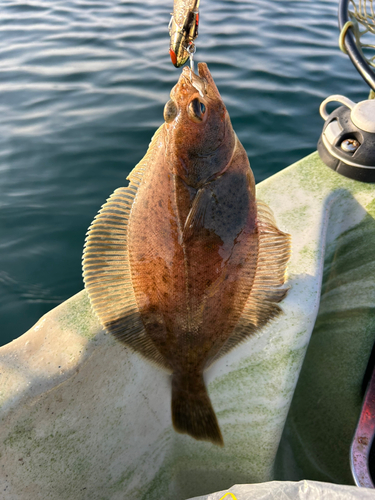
204 262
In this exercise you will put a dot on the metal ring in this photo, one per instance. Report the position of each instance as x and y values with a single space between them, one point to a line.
191 48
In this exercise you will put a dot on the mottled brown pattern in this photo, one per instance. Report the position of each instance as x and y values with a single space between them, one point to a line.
182 265
191 283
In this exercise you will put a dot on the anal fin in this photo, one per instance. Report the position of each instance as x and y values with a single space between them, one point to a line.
262 304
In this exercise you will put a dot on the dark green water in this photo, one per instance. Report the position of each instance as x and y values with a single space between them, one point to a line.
82 89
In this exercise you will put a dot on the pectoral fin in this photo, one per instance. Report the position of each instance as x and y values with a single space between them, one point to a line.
195 219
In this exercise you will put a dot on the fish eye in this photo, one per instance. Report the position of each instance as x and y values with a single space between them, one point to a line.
196 110
170 111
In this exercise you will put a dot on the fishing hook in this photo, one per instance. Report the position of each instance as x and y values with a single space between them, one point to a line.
191 49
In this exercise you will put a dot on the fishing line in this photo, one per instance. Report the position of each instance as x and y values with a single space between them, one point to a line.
191 49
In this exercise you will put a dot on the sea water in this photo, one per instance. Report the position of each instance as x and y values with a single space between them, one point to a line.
83 84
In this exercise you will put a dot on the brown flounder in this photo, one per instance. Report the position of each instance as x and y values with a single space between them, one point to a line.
184 264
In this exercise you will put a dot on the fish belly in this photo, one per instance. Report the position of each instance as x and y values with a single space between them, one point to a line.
193 257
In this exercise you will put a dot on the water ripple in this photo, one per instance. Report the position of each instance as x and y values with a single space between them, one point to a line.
82 89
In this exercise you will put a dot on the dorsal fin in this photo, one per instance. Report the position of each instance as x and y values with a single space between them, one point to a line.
261 306
136 174
106 269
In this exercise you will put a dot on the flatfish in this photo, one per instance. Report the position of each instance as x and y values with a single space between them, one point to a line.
184 264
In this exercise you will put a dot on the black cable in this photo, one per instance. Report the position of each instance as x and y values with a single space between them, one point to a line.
354 53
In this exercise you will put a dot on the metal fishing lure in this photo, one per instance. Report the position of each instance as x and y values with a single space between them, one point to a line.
183 30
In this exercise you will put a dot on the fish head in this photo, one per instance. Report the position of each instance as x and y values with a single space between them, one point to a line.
199 133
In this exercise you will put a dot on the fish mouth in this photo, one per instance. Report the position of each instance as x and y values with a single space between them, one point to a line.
196 81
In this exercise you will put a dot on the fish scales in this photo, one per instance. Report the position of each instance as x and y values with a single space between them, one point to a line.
203 261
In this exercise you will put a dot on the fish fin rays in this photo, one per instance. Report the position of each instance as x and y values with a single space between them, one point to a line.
262 303
195 219
106 268
136 174
192 411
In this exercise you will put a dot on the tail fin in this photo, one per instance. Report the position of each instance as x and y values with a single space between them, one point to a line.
192 411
